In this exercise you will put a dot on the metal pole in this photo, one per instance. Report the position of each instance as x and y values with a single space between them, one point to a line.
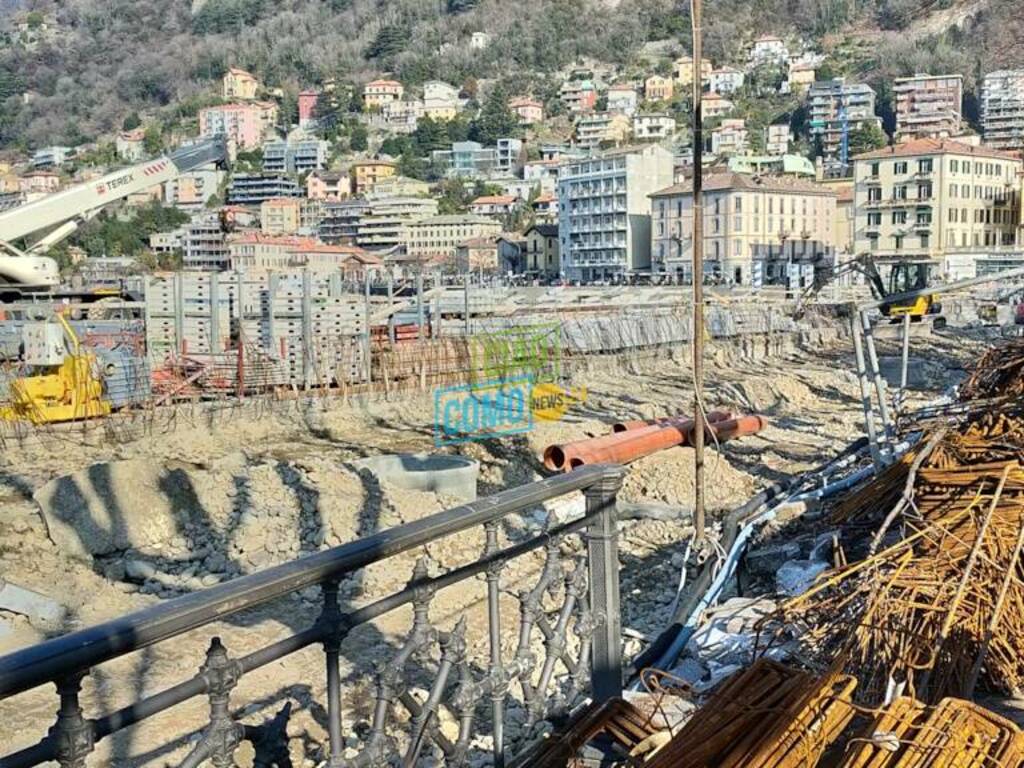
367 336
465 298
698 276
906 354
419 302
391 312
865 396
497 669
603 561
876 373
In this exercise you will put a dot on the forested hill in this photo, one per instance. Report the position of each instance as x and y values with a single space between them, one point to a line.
100 60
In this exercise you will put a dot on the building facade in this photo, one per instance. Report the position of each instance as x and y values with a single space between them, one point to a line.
928 106
658 88
243 124
777 138
936 199
440 100
280 215
755 227
467 160
726 80
604 220
1002 109
529 111
193 190
623 98
203 244
436 238
835 108
295 156
540 251
254 188
307 107
653 126
239 84
602 128
682 71
578 96
380 92
367 173
328 185
375 224
729 138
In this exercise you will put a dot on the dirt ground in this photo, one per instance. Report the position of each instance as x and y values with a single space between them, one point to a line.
143 512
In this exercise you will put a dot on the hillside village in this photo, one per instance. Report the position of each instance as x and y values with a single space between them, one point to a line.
588 182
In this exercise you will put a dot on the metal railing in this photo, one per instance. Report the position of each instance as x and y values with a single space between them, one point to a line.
589 609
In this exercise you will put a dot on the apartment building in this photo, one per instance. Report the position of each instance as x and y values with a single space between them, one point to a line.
437 237
440 100
1002 109
542 174
472 160
777 138
328 185
604 222
835 108
653 126
726 80
307 107
380 92
398 186
239 84
658 88
377 224
254 188
529 111
495 205
801 77
622 98
51 157
541 251
193 190
768 50
509 156
754 227
729 138
368 172
39 183
256 251
130 145
294 155
203 244
928 106
280 215
602 128
243 124
936 198
578 96
715 105
682 71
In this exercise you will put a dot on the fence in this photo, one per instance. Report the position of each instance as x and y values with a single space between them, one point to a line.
589 593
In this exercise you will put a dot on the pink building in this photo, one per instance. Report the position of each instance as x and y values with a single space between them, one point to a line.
328 185
307 107
242 123
529 111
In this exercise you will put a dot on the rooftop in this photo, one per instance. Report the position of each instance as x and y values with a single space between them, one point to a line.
453 219
936 147
495 200
716 182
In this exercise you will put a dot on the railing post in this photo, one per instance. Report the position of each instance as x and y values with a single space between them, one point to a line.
72 732
497 666
603 551
331 620
221 674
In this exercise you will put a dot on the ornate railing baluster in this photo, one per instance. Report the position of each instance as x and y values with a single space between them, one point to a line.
603 552
220 673
464 701
453 648
499 685
531 610
72 732
556 643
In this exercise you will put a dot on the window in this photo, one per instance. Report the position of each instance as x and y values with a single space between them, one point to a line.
965 191
899 217
874 195
737 223
874 170
873 242
898 242
924 191
924 218
738 205
954 166
900 168
874 218
926 241
952 190
952 215
900 193
925 165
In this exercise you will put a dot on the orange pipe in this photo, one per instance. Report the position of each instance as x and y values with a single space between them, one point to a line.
626 426
557 456
634 445
724 431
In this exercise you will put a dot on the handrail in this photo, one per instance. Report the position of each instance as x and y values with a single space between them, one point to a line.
76 652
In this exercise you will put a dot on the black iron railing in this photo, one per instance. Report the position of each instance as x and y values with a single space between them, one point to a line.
588 585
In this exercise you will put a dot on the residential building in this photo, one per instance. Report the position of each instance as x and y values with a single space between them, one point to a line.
478 254
1002 109
768 50
545 208
528 110
936 198
328 185
380 92
243 124
239 84
509 156
398 186
602 128
726 80
260 251
754 227
715 105
254 188
541 251
167 242
779 165
604 224
495 205
658 88
801 77
402 116
280 215
729 138
437 237
653 126
777 138
478 41
512 186
835 108
440 100
203 244
560 152
928 106
542 174
623 98
51 157
307 108
39 183
191 191
368 172
845 224
682 71
377 224
129 145
294 155
467 160
578 96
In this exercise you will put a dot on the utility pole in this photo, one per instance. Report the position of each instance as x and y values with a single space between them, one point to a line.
698 274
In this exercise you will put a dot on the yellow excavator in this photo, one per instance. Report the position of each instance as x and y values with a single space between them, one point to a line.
905 275
62 384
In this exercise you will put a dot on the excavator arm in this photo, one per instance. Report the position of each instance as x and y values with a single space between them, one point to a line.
863 264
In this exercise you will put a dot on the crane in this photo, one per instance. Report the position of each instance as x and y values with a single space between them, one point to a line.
25 271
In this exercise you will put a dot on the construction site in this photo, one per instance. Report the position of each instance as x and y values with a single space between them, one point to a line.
288 520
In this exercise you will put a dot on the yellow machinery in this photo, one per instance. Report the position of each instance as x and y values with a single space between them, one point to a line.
62 386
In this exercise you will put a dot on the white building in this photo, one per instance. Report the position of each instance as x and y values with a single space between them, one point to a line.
623 98
653 126
542 174
604 214
726 80
440 100
1002 109
769 49
729 138
777 138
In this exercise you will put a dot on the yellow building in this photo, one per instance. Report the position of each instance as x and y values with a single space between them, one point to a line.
801 78
438 237
381 92
239 84
281 215
658 88
682 70
369 172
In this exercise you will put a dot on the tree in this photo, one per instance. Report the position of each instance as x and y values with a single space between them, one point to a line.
867 137
153 140
359 140
496 120
391 39
131 122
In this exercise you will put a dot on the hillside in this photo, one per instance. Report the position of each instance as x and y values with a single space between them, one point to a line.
108 58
